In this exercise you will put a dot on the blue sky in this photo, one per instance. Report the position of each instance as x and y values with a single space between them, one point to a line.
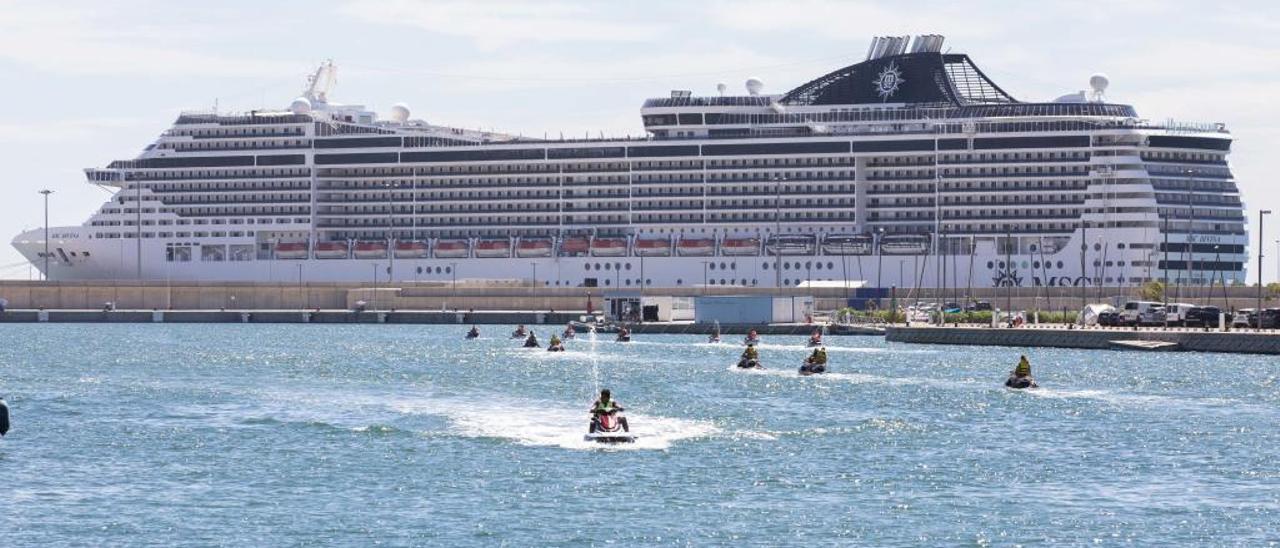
84 83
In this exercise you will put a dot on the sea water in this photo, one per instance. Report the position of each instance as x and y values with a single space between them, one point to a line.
409 435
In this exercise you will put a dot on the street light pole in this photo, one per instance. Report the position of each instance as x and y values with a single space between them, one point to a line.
1261 214
777 233
46 192
374 296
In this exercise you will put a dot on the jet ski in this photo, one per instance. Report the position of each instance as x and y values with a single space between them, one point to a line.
519 333
811 368
749 363
569 333
623 336
473 334
607 428
751 341
815 340
1017 382
4 417
555 348
714 338
532 342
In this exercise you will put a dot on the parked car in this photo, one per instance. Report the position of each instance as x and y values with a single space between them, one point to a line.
1271 318
1243 318
1202 316
978 306
1176 313
1110 318
1142 313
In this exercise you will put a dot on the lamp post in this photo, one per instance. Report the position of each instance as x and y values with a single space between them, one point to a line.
777 232
391 227
879 255
46 192
374 297
453 283
1261 214
704 278
305 299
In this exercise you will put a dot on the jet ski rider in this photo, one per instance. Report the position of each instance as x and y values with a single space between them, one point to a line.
750 354
606 405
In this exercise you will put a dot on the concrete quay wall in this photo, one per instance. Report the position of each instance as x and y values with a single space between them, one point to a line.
1189 340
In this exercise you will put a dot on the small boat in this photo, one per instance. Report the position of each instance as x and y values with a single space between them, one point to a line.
452 248
291 250
715 334
535 247
653 247
493 248
737 247
791 244
371 249
904 244
575 246
695 247
624 335
848 244
411 249
608 246
332 250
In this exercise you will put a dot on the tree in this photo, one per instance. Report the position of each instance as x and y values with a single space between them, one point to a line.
1153 291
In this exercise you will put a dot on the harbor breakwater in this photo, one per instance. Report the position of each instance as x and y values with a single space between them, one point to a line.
1248 342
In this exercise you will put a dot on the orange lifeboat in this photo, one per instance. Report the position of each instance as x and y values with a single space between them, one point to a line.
696 247
653 247
452 248
331 250
411 249
371 249
606 246
493 248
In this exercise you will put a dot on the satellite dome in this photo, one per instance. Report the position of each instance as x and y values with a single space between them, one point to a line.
399 112
300 106
721 87
1099 82
754 85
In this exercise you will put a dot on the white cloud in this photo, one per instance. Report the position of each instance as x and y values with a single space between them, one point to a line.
82 41
490 25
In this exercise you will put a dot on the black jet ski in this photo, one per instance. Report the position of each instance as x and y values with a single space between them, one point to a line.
569 333
473 334
532 342
749 363
4 417
519 333
1017 382
623 336
815 342
607 428
557 347
810 368
714 338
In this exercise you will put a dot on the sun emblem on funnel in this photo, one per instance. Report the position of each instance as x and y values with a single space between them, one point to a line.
887 82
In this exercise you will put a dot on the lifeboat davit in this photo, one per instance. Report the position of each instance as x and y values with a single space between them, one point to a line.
371 250
493 248
740 246
291 250
848 244
412 249
534 247
696 247
452 248
575 246
602 246
653 247
331 250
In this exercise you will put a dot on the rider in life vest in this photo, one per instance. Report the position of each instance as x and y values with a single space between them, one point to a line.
606 405
819 357
750 353
1021 377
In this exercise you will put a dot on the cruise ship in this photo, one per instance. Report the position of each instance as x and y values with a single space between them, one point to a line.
911 168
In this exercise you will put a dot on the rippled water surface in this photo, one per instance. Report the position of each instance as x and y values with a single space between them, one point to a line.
312 434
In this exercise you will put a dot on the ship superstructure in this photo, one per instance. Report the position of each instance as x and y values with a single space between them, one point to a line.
910 168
